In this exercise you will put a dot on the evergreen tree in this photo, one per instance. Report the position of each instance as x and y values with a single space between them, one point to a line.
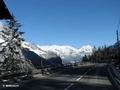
103 53
85 59
11 53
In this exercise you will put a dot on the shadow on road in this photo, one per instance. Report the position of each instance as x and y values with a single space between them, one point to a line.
96 79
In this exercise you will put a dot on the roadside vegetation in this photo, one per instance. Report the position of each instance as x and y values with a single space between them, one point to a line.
12 60
102 54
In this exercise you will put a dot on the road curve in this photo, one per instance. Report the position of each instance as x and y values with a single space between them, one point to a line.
95 78
86 77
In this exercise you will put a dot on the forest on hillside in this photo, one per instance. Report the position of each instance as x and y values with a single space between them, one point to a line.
101 54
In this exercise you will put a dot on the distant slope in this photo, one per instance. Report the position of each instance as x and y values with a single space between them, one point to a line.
52 55
31 51
35 54
67 53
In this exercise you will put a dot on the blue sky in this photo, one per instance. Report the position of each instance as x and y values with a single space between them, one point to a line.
67 22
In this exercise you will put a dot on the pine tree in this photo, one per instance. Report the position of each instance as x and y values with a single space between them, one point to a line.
13 60
85 59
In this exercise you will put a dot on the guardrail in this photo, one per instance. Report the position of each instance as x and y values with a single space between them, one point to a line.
12 75
116 72
44 71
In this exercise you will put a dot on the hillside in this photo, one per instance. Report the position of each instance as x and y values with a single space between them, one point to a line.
67 53
51 55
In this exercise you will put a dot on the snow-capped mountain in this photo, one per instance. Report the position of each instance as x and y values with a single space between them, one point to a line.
85 50
28 50
52 55
67 53
34 53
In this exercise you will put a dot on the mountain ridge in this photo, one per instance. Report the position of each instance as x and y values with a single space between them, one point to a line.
67 53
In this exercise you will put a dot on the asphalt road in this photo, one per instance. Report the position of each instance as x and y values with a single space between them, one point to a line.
88 77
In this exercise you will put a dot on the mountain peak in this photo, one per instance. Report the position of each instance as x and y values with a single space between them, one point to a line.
68 53
86 48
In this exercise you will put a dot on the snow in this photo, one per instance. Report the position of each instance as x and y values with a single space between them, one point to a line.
86 48
1 40
32 47
1 25
67 53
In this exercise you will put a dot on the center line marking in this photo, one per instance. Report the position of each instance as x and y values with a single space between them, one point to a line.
85 73
79 78
69 86
89 69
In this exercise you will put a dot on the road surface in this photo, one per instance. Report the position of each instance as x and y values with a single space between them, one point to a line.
86 77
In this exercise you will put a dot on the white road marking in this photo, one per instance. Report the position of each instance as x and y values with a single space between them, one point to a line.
69 86
80 78
85 73
89 69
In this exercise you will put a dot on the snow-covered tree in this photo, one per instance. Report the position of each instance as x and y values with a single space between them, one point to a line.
11 50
